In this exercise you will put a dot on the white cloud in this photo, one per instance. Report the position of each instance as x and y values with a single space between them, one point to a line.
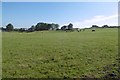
99 20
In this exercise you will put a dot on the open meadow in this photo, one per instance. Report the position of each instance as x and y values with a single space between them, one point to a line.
59 54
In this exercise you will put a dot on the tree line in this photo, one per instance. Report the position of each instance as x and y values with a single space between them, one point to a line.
39 27
104 26
47 26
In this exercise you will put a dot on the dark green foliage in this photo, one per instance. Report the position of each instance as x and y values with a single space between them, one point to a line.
3 29
63 27
16 29
32 29
54 26
67 28
46 26
105 26
9 27
95 26
70 26
22 30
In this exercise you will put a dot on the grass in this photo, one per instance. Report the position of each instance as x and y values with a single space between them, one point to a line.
58 54
0 55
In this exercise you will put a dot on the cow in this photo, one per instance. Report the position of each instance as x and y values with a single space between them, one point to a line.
93 30
78 29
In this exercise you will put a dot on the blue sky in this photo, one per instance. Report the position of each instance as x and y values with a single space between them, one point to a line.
81 14
59 0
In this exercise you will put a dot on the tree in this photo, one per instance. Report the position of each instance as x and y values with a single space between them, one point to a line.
38 26
94 26
16 29
70 26
33 27
54 26
9 27
105 26
46 26
63 27
22 30
57 26
3 29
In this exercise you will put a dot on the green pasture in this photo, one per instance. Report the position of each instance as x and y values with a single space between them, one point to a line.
59 54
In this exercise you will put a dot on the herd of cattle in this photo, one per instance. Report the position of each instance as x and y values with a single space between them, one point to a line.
78 30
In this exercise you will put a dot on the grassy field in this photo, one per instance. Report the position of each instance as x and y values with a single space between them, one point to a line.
59 54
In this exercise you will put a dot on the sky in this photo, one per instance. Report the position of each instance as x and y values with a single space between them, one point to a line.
80 14
0 14
59 0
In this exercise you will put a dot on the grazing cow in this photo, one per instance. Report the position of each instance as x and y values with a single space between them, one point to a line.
93 30
78 29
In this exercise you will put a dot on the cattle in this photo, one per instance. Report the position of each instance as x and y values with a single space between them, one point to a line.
93 30
78 29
